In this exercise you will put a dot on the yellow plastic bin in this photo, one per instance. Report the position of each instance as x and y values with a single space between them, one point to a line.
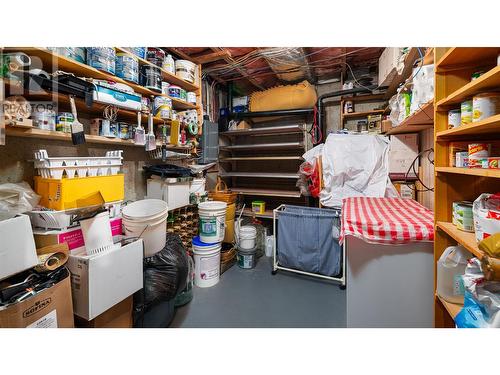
63 194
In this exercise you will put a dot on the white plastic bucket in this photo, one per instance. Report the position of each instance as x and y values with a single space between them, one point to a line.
246 237
206 263
247 259
450 269
97 234
147 219
185 70
212 218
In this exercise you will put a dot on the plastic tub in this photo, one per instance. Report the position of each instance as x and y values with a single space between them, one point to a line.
197 186
246 237
450 269
247 259
185 70
206 263
212 217
152 232
145 209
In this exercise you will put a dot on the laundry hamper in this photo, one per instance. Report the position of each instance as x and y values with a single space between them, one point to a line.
307 242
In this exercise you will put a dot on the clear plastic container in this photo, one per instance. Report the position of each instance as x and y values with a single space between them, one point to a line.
450 269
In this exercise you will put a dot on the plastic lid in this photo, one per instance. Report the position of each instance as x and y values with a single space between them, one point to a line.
197 242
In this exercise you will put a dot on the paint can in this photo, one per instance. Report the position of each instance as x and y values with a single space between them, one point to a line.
127 67
212 217
206 263
75 53
247 259
164 87
185 70
169 64
454 118
485 105
155 55
64 120
138 51
161 101
151 77
102 58
174 91
183 94
191 97
466 112
44 119
145 104
123 130
164 112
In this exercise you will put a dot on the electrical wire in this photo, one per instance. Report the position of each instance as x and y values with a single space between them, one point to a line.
315 129
412 168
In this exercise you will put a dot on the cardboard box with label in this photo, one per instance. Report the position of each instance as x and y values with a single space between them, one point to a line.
17 246
101 281
73 236
50 308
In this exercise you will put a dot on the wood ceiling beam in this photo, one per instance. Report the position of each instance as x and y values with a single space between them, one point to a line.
214 56
244 74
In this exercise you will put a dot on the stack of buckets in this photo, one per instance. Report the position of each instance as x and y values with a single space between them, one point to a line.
247 246
207 246
147 219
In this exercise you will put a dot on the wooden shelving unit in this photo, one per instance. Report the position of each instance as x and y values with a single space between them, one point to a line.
453 85
421 119
362 114
268 214
49 61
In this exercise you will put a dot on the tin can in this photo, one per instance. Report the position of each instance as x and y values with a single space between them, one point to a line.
454 118
127 67
160 101
164 87
174 91
123 130
183 94
155 55
44 119
466 112
102 58
145 104
64 121
494 162
485 105
164 112
191 97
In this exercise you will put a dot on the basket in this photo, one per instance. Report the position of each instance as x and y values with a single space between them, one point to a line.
227 259
222 193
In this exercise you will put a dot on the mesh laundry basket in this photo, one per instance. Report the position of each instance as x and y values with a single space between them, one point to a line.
308 239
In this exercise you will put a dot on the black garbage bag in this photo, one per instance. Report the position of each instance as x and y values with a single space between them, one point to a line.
165 276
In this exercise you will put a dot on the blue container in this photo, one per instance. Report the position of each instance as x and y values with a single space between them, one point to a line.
102 58
127 67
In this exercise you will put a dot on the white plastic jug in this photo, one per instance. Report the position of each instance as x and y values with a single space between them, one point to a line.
450 269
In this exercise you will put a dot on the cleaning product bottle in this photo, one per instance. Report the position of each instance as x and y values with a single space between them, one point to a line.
169 64
450 269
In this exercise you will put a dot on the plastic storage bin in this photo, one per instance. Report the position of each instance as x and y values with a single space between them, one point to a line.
172 190
63 194
307 240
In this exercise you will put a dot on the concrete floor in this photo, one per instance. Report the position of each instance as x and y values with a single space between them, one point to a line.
257 299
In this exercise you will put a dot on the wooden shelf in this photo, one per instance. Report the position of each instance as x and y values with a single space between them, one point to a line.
267 192
362 114
480 172
466 239
260 158
52 61
491 125
421 119
268 214
264 146
284 129
452 308
259 175
167 76
489 80
462 56
31 132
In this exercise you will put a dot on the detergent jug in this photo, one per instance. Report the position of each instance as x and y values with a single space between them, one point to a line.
450 269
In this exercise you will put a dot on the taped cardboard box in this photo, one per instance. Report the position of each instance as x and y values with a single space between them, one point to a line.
17 247
51 308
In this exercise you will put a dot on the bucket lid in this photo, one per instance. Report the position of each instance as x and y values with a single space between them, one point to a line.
197 242
212 205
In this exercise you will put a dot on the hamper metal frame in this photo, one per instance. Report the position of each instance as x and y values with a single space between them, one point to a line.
341 279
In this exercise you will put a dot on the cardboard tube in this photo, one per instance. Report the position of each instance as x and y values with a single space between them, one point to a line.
52 257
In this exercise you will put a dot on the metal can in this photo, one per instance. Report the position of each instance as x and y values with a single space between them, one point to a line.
191 97
102 58
64 121
155 55
164 87
44 119
494 162
127 67
174 91
466 112
485 105
454 118
183 94
123 130
160 101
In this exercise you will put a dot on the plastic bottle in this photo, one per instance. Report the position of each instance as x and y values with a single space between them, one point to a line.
169 64
450 269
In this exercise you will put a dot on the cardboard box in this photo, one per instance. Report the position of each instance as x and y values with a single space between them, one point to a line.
405 189
118 316
51 308
386 125
73 236
403 150
17 246
100 281
375 124
387 63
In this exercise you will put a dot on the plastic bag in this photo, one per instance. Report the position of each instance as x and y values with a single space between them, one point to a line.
16 199
486 211
481 301
165 276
